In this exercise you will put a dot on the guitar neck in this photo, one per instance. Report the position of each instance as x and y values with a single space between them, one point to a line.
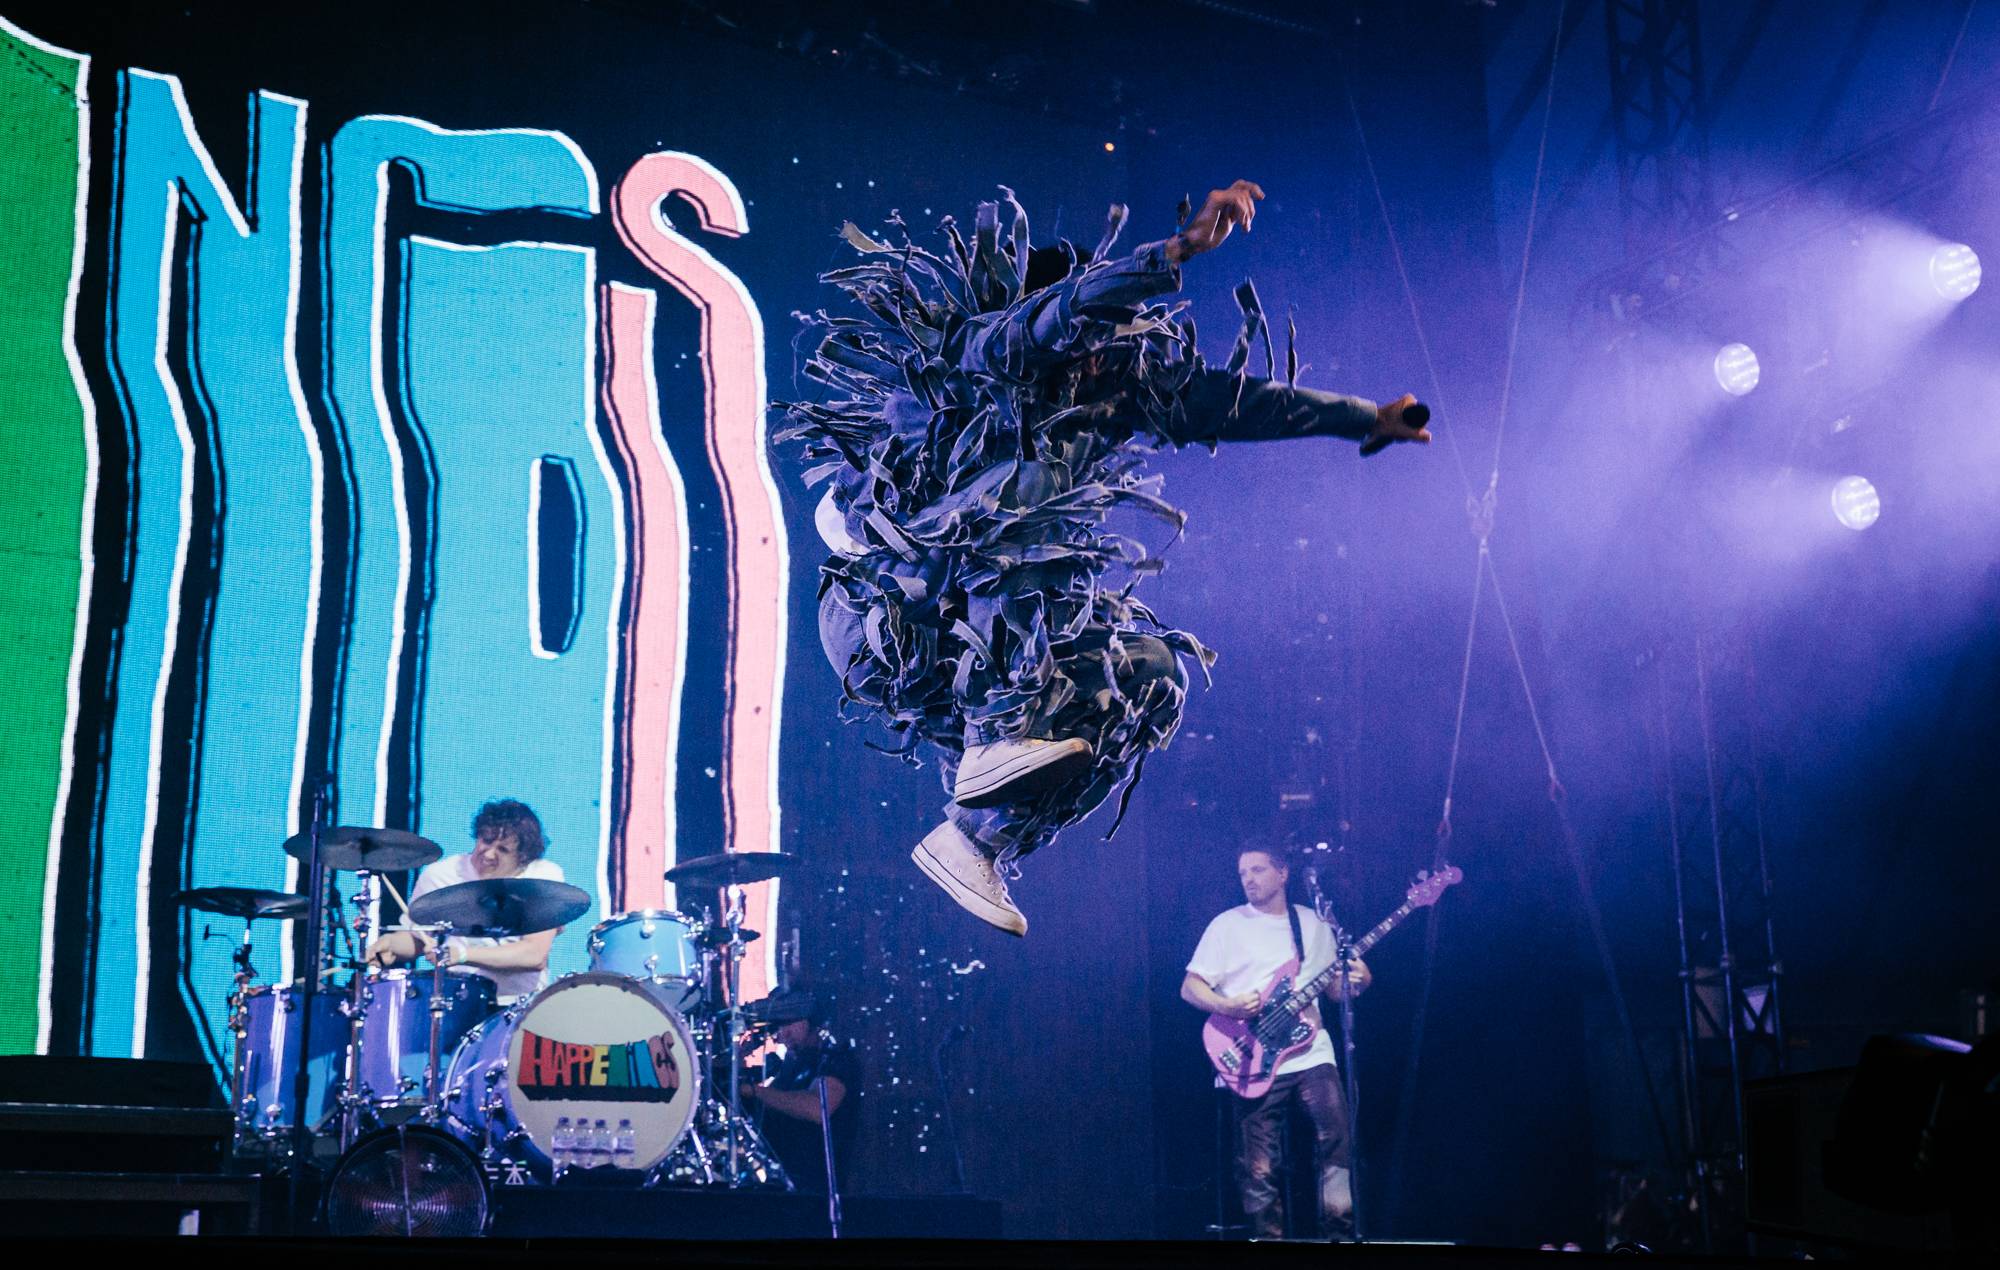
1307 991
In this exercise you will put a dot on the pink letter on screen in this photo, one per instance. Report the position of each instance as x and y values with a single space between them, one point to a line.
655 643
732 354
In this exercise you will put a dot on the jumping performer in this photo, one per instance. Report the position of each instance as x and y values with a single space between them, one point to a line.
990 406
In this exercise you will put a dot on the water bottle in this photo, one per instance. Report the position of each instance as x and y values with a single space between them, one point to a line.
563 1144
624 1145
600 1144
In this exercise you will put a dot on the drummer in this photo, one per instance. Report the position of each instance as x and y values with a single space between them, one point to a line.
507 843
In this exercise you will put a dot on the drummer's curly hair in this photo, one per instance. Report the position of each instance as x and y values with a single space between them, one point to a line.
499 814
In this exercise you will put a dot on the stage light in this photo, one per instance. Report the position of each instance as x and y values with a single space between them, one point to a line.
1955 271
1736 369
1855 502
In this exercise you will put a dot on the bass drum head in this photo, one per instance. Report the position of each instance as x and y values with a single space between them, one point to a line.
408 1181
588 1047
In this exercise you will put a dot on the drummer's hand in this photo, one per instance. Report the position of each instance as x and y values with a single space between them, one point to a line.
384 952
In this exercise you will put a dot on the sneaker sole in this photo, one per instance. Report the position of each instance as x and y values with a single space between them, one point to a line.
966 898
1032 773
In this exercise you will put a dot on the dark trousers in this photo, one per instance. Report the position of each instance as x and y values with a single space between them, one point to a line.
1259 1124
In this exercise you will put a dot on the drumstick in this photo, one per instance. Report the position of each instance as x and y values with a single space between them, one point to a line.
395 895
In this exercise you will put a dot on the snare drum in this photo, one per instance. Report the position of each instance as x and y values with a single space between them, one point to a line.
652 943
392 1045
267 1051
588 1047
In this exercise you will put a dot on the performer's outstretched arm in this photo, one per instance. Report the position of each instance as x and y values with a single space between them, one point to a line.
1220 407
1081 313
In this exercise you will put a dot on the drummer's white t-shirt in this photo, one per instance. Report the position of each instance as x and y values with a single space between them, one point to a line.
508 985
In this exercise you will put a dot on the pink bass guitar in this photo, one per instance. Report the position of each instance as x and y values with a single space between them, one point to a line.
1247 1051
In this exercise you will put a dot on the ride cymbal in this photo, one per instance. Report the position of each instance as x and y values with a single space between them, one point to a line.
352 848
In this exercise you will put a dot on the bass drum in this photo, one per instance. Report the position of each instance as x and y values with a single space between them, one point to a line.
588 1047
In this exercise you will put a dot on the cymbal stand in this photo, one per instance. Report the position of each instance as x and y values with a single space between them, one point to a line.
239 996
351 1100
732 1000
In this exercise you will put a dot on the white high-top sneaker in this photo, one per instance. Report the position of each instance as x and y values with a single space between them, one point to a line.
1011 771
950 859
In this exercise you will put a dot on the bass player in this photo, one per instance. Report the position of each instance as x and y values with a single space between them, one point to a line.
1233 966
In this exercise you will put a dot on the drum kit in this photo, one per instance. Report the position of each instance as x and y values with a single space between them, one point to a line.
632 1068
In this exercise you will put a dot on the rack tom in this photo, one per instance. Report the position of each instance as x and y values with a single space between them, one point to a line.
654 944
392 1037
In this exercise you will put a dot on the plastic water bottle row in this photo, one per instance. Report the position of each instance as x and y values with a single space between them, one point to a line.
588 1144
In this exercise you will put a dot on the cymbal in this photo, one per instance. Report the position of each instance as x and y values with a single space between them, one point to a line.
243 901
718 936
732 868
495 907
353 847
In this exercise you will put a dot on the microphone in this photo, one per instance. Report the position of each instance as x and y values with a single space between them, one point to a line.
1415 415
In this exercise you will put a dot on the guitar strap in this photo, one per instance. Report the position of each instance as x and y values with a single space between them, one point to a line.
1298 940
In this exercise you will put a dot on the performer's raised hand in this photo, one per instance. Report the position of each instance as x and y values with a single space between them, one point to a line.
1390 426
1221 212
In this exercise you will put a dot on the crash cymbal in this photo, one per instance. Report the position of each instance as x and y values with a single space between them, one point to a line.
352 848
496 907
243 901
731 868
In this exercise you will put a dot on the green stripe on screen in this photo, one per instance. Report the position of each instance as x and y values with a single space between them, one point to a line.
43 468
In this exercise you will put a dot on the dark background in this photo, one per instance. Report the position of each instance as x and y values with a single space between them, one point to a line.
1337 592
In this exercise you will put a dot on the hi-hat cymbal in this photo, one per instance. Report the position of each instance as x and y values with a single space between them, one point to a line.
722 936
352 848
243 901
497 907
732 868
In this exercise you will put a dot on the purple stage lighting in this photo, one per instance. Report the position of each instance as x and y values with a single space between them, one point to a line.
1855 502
1955 271
1736 369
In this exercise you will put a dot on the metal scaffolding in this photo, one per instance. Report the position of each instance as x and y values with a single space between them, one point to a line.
1704 733
1710 764
1659 117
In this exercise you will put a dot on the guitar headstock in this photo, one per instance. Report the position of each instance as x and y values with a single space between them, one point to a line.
1425 890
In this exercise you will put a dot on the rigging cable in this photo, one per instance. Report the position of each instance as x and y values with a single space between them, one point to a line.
1480 511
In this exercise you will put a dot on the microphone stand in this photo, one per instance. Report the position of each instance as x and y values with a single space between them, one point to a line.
302 1072
1351 1088
826 1134
958 1032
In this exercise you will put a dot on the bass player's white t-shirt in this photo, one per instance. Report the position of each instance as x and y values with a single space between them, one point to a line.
1242 948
